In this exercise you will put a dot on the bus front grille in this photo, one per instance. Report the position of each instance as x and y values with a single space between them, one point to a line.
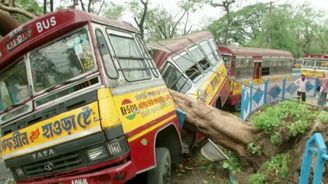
54 165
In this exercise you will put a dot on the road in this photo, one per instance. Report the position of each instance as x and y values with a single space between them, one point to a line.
4 172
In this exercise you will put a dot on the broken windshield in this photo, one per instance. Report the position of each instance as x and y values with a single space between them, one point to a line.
14 86
62 60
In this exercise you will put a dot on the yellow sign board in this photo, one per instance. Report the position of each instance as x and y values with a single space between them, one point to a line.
61 128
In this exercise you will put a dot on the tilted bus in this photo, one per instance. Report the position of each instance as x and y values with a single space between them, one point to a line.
81 101
315 65
192 65
257 64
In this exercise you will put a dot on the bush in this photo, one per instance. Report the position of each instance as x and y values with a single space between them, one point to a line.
277 168
323 117
267 120
257 178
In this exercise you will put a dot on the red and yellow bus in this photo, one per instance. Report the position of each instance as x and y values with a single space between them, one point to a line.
257 64
81 101
315 65
192 65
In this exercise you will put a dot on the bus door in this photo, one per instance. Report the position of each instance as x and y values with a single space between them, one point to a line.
257 69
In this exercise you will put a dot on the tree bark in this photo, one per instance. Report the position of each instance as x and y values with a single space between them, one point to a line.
8 23
223 128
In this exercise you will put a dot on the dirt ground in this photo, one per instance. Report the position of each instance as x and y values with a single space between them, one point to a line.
195 169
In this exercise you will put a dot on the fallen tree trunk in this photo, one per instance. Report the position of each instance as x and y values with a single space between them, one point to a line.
8 23
223 128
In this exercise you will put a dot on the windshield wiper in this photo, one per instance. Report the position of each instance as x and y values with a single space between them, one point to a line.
62 84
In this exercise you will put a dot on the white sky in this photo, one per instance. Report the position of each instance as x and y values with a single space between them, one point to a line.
203 16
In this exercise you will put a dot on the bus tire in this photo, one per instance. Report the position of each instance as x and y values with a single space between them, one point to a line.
161 174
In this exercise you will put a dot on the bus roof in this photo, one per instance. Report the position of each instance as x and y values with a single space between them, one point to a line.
46 28
254 52
315 56
166 48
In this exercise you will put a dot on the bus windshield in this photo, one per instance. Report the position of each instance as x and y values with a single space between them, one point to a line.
14 86
62 60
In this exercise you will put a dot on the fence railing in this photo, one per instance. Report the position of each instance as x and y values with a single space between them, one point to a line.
315 146
268 92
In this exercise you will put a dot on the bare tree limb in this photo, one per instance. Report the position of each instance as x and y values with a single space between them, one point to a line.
89 5
101 7
82 5
186 24
143 18
176 23
17 10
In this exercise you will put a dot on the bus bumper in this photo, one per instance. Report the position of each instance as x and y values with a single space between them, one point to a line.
113 175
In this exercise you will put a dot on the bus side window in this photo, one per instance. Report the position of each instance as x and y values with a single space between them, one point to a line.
238 68
105 55
322 63
265 67
175 80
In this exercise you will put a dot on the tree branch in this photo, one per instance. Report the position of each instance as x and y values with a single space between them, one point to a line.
143 18
82 5
17 10
176 23
101 7
89 5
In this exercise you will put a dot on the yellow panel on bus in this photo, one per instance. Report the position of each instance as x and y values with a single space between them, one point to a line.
212 85
138 108
61 128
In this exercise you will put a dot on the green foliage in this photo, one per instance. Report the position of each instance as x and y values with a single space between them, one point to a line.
257 178
267 120
301 30
30 5
298 127
277 167
112 10
245 24
274 171
254 149
323 117
288 119
276 138
233 164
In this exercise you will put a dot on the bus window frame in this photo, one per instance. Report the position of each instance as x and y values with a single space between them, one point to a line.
149 59
110 54
215 55
319 67
173 64
204 57
128 35
249 68
307 60
195 63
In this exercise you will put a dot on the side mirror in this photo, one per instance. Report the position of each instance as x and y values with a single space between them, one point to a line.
212 152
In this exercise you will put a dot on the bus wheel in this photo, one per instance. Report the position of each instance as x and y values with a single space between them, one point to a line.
161 174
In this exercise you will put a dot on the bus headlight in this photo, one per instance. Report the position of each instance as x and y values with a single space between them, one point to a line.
19 172
117 147
97 153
